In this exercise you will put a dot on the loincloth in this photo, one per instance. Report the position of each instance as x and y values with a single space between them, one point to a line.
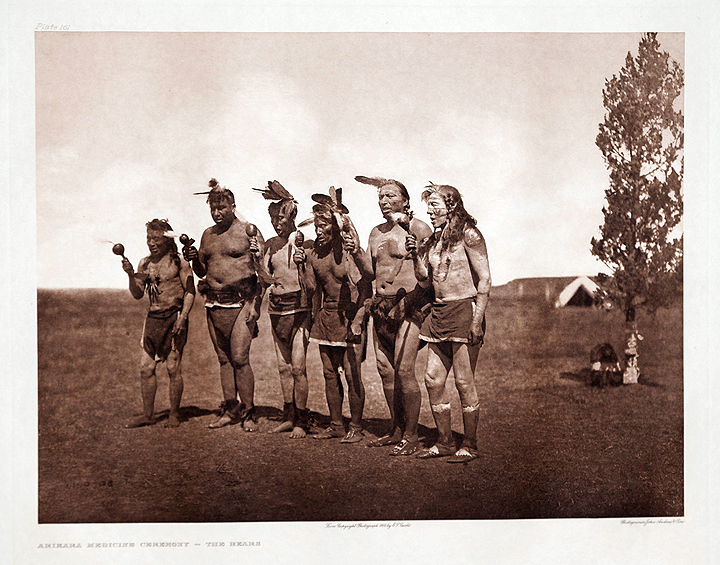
330 326
449 321
388 313
288 303
286 326
224 306
157 339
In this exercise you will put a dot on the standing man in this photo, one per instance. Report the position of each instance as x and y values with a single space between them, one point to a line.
398 309
289 308
228 259
168 281
339 273
454 260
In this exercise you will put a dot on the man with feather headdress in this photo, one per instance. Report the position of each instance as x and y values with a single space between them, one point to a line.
168 281
339 274
233 294
289 307
397 312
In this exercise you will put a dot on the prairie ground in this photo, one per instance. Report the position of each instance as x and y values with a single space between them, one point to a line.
551 445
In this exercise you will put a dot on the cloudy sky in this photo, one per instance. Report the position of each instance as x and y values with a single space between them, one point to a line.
129 125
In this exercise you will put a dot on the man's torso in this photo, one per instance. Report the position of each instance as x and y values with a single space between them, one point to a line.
331 274
227 256
387 248
452 276
163 283
279 253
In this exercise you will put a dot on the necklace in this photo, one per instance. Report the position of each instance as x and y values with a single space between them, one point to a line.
443 269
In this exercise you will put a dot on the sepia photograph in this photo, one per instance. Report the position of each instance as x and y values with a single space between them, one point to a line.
133 126
309 289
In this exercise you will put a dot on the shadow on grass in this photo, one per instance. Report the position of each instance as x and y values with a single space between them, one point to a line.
428 436
185 412
584 376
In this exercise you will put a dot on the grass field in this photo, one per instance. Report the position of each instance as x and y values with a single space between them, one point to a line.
551 446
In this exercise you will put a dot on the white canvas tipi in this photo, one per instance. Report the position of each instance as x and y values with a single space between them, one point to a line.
580 292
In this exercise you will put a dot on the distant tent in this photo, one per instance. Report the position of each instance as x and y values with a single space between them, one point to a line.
580 292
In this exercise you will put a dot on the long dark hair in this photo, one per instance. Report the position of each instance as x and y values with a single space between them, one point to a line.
458 218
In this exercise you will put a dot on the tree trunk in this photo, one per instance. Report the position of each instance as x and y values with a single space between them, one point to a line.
630 313
632 371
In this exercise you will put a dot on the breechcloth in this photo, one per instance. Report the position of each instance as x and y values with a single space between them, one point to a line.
449 321
224 306
285 327
223 320
288 313
157 339
288 303
388 313
330 326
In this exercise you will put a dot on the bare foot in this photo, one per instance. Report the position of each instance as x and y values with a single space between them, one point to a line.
283 427
173 420
141 422
297 433
250 425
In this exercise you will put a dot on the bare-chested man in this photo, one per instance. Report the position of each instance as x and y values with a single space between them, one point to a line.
398 312
168 281
289 308
454 260
227 258
339 273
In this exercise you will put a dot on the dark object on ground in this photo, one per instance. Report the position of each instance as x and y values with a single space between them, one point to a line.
605 368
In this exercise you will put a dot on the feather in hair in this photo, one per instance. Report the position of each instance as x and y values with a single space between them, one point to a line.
212 183
279 189
333 201
275 191
374 181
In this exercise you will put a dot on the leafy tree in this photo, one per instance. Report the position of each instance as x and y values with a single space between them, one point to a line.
641 140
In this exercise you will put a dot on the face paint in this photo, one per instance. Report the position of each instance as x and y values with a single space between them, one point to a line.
437 210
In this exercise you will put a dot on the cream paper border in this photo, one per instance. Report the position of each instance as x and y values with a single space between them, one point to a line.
528 541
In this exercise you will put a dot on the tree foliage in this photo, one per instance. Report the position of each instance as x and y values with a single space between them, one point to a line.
641 140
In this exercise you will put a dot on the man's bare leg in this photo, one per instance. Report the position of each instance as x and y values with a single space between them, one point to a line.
463 364
300 383
244 377
386 370
356 392
439 362
175 386
284 360
406 347
331 358
148 388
